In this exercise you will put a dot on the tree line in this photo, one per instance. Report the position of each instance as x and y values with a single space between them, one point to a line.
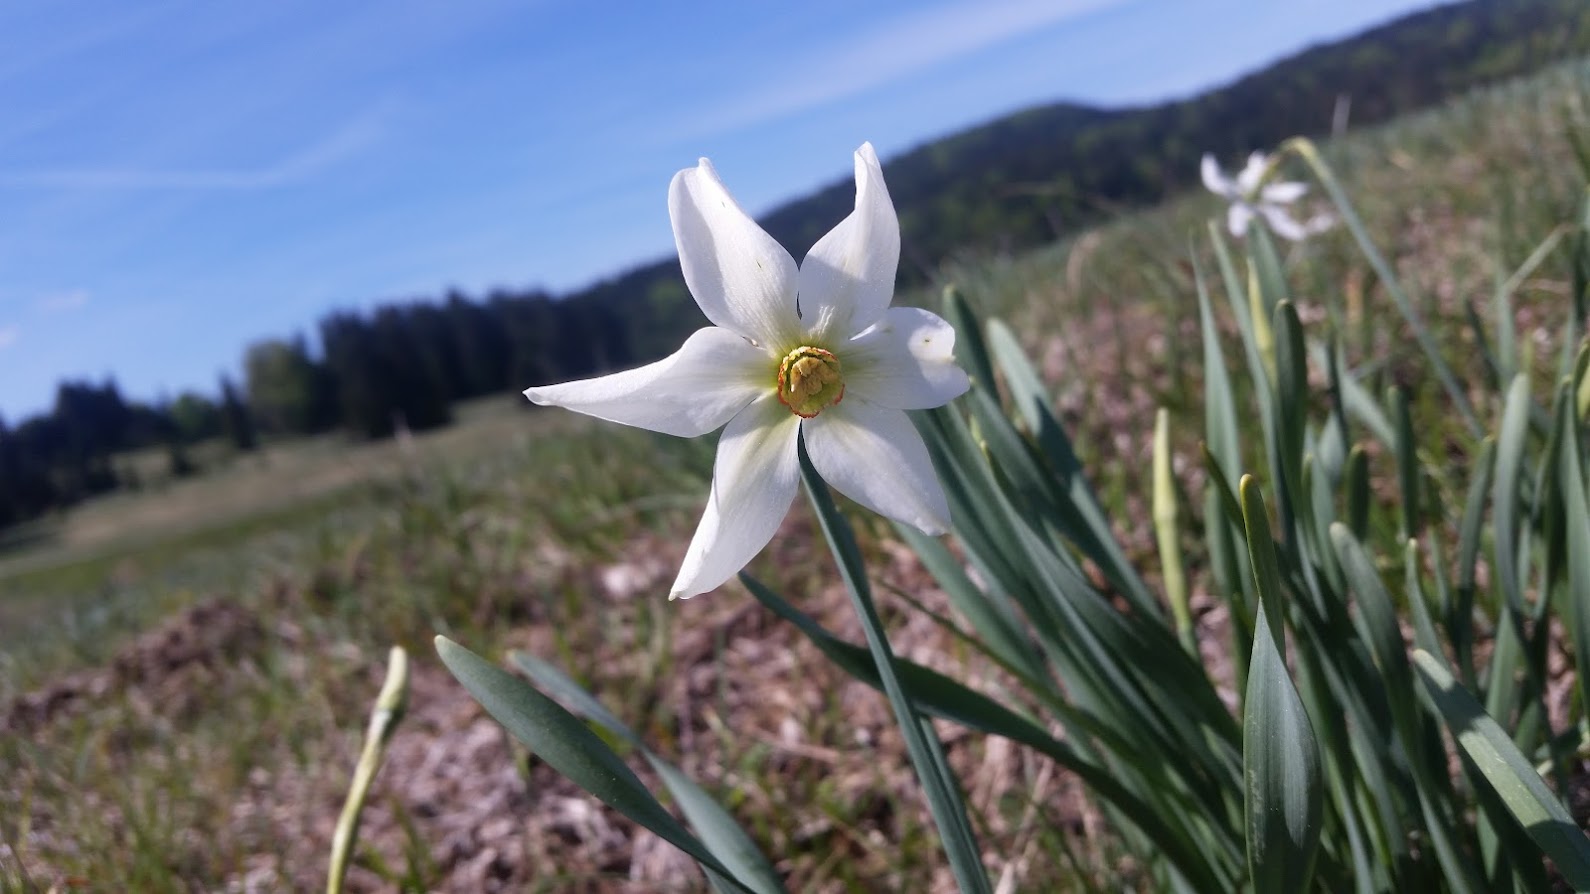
1017 181
398 366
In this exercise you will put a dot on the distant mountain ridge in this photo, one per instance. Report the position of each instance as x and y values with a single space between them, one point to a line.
971 188
1037 174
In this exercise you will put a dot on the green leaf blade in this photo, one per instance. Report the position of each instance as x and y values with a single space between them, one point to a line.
569 747
1509 773
719 832
1281 767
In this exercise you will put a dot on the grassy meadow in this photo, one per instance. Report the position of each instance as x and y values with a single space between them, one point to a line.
185 670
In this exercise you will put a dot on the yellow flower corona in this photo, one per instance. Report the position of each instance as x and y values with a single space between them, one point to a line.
808 380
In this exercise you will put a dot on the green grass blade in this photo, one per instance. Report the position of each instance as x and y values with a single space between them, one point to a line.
1424 635
1167 532
1548 513
1506 674
1376 614
1265 266
1356 400
1505 500
970 349
1261 315
1261 552
1578 317
1078 500
1440 573
1436 793
719 832
1291 405
1281 766
1356 483
569 747
1482 347
1236 292
931 692
1506 329
1220 414
1228 503
1230 577
1337 425
1253 326
556 684
1319 512
1407 462
1576 613
989 613
1459 620
1378 626
1426 763
1388 280
963 470
938 695
1509 773
1506 333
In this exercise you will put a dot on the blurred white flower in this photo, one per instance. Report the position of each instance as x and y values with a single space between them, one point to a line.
1249 195
813 351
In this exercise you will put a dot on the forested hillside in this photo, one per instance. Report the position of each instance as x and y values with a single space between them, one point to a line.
1017 181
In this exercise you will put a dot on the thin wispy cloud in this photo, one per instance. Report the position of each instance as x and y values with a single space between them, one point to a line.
36 48
340 145
893 50
8 336
62 302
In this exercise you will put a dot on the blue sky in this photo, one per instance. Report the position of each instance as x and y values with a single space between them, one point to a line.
178 179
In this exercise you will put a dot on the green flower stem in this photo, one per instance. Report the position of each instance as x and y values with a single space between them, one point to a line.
927 753
389 708
1168 533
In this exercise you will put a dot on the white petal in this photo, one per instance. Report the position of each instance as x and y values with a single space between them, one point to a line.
905 361
873 455
743 280
1248 179
712 376
1283 193
753 484
1214 179
1320 222
1282 223
1237 218
847 279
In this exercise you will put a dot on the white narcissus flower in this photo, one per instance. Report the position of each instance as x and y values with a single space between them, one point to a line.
814 351
1250 195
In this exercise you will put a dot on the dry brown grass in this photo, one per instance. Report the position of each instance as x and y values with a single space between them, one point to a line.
809 758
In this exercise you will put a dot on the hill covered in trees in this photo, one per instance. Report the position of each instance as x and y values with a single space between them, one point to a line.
1014 182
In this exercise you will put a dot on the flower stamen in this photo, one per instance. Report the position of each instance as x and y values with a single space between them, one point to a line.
809 380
